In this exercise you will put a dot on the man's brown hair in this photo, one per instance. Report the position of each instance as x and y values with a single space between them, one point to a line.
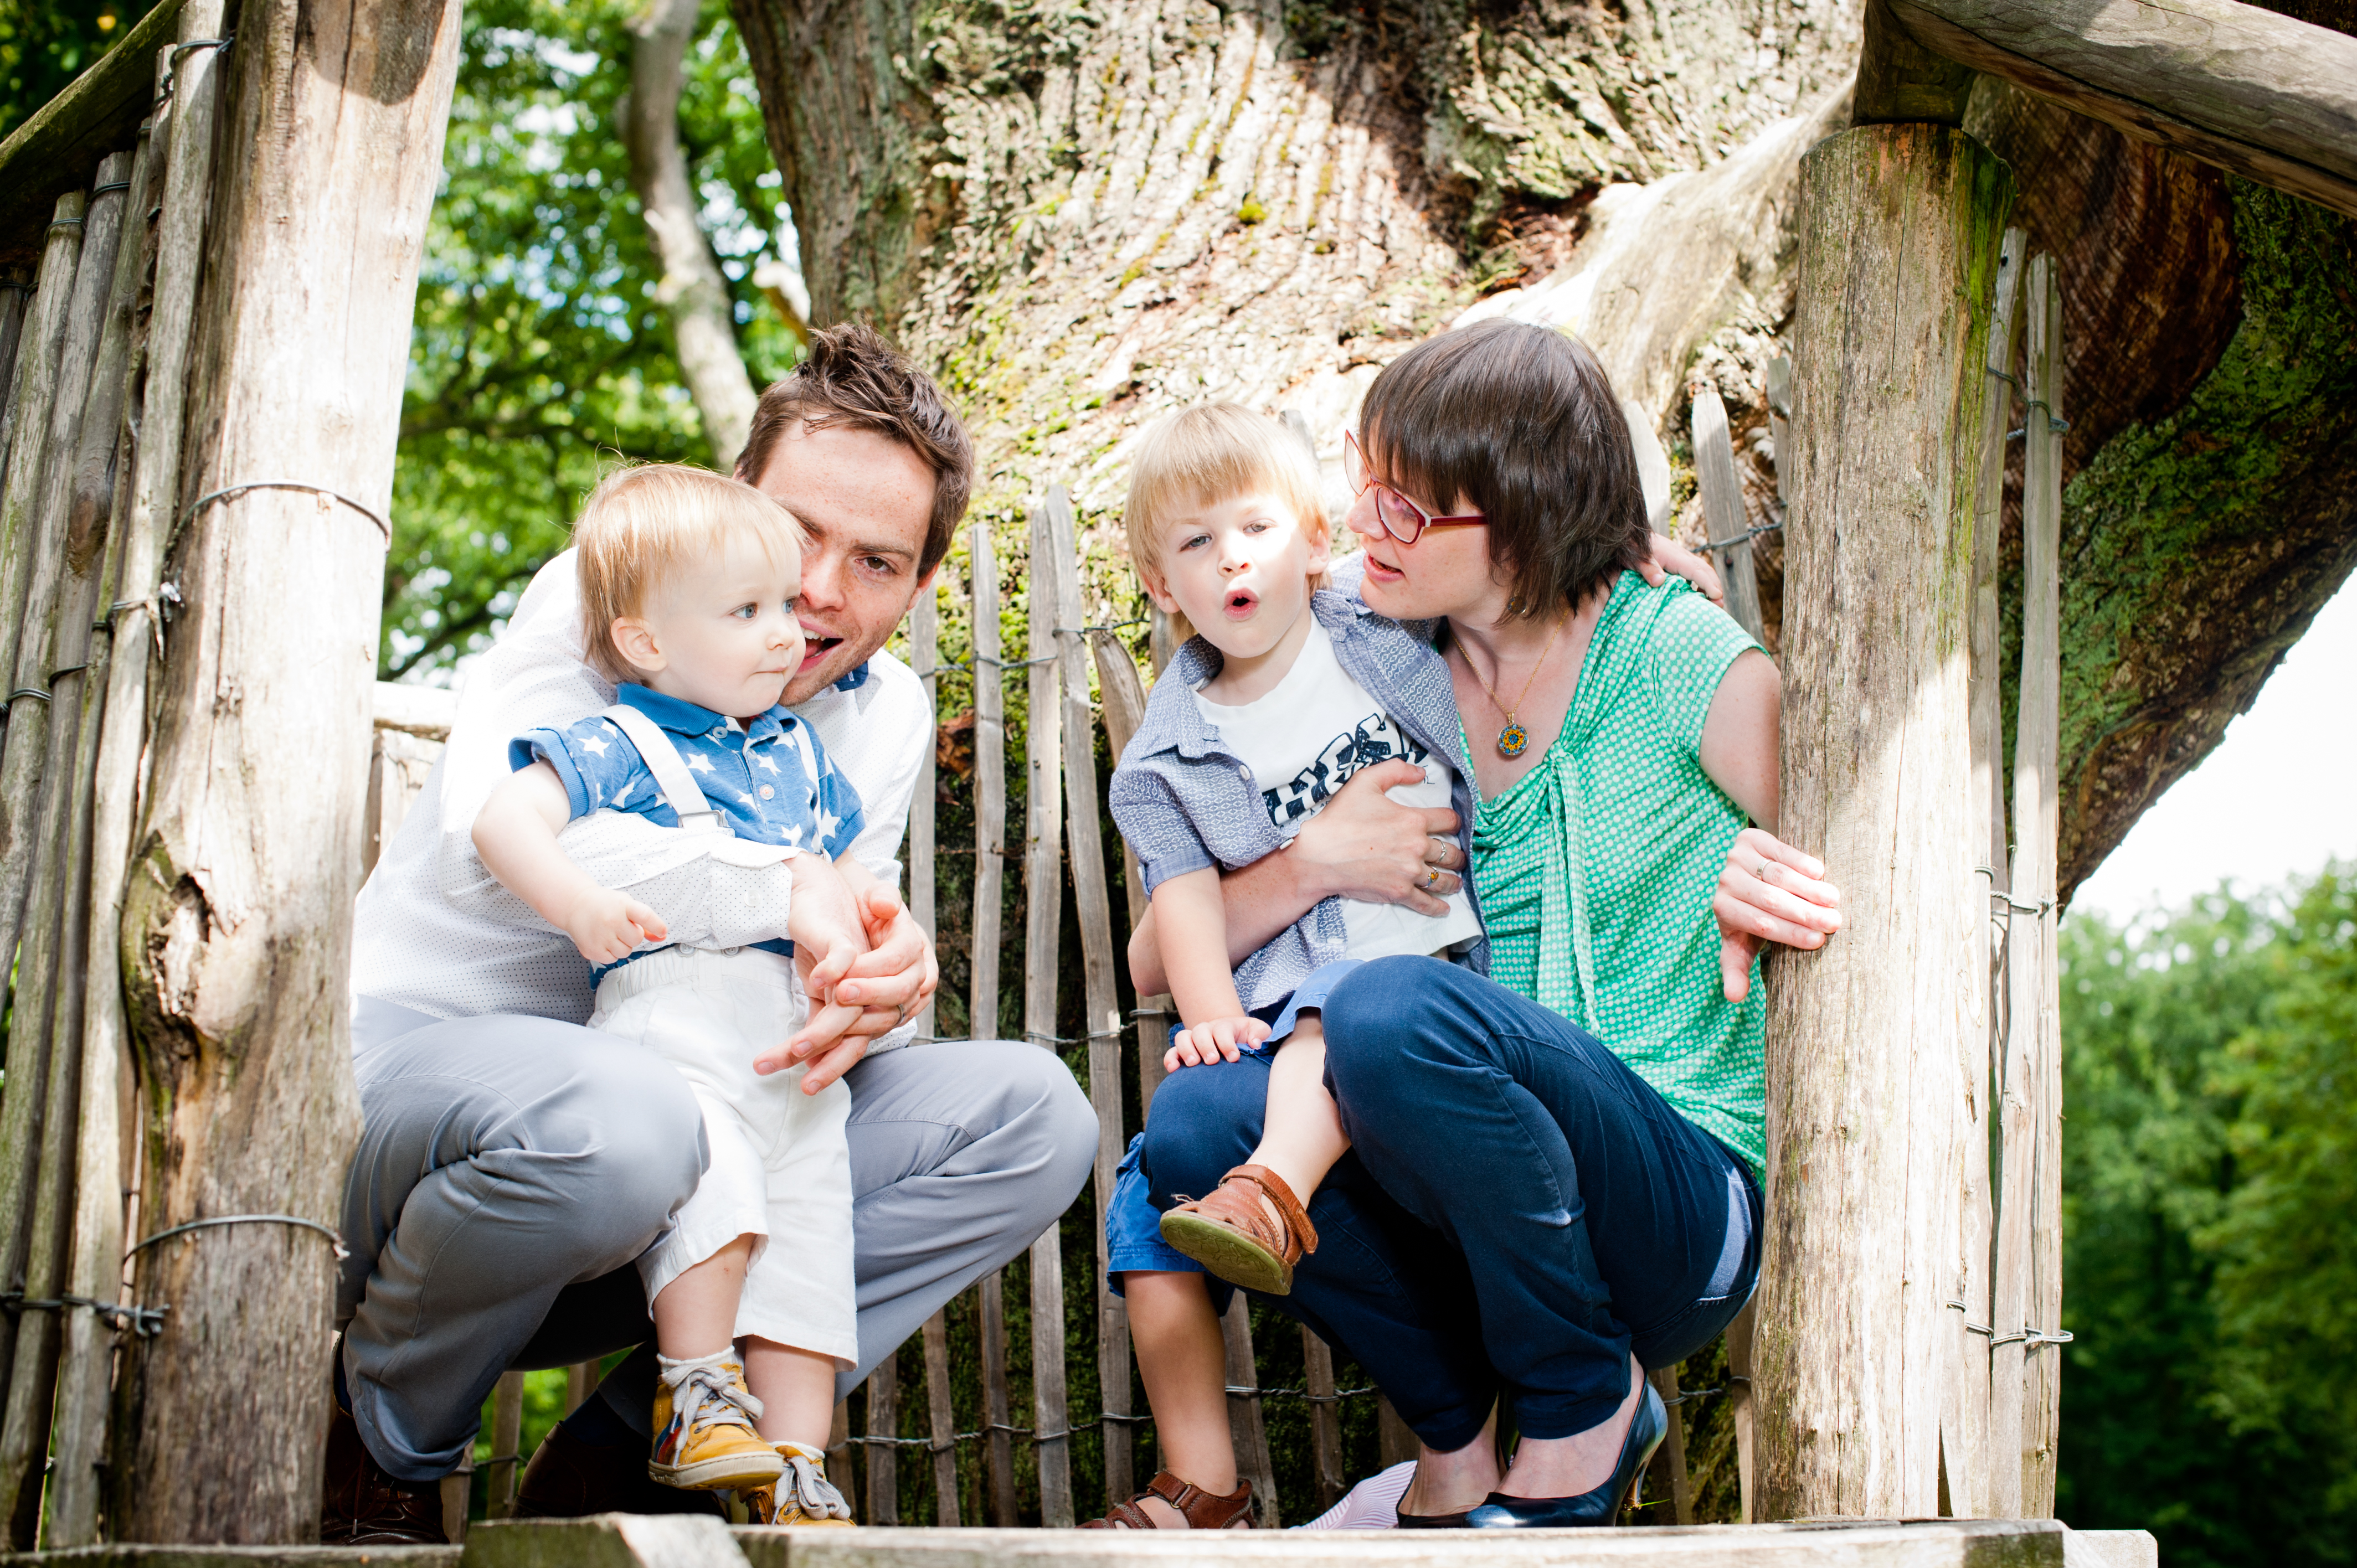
853 378
1518 422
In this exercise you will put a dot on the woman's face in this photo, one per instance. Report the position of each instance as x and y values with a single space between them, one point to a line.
1445 572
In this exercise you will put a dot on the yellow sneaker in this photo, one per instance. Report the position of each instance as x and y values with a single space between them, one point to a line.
801 1496
705 1439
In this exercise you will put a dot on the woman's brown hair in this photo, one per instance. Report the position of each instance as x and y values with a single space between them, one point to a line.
1518 422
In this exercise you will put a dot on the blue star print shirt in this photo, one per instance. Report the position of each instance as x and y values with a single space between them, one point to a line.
771 781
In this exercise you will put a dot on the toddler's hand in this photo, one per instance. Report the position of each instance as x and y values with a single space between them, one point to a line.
608 926
1212 1040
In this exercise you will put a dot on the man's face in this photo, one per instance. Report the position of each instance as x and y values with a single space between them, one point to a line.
864 499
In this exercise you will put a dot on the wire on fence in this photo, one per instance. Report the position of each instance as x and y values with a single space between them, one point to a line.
1746 537
934 1445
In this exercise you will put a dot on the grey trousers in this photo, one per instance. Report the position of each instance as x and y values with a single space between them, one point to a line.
511 1169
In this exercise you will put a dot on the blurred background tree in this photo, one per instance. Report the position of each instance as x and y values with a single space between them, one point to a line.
542 349
2209 1062
45 44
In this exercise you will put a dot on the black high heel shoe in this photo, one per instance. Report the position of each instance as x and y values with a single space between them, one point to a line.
1600 1507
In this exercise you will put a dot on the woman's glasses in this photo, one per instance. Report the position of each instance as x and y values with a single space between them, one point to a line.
1402 518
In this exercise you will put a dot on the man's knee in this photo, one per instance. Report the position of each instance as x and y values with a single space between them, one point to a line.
631 1135
1049 1116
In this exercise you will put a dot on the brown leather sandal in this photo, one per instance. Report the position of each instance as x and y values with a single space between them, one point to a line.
1230 1234
1200 1509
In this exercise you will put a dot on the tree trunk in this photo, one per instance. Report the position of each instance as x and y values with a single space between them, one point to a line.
1898 255
702 317
237 922
1088 217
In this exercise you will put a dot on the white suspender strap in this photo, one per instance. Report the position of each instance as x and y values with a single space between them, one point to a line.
672 777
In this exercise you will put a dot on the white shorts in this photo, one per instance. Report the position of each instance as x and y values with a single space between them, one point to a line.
780 1169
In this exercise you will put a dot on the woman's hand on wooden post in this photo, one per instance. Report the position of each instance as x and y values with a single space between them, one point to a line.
1768 892
1670 559
1366 845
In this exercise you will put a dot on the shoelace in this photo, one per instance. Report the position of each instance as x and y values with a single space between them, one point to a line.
809 1483
709 1383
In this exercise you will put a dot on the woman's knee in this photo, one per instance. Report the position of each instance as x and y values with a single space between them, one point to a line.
1205 1121
1378 1005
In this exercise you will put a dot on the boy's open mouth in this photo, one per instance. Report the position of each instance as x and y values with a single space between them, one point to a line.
1240 602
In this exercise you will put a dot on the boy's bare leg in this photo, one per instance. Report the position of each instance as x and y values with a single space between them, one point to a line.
1302 1136
695 1314
796 1388
1184 1363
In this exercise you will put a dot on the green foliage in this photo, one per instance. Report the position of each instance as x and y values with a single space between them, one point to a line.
540 351
2210 1272
45 44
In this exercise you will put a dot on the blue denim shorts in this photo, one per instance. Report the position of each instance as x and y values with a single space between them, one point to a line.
1133 1226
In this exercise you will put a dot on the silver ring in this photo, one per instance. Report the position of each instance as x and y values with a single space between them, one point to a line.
1761 870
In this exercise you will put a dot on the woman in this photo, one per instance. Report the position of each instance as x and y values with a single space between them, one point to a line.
1555 1178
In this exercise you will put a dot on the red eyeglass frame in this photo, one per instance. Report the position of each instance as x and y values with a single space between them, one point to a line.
1355 457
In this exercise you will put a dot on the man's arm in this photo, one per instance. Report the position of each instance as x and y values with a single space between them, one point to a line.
1362 845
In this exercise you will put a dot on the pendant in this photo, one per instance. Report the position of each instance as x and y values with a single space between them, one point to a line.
1513 740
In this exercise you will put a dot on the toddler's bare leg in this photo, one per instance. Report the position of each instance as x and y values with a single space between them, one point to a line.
695 1314
1184 1363
1301 1136
796 1388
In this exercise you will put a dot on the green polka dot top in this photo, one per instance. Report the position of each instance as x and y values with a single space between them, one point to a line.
1596 868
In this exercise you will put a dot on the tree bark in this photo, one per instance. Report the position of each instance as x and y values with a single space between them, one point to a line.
693 293
1898 253
1088 218
237 924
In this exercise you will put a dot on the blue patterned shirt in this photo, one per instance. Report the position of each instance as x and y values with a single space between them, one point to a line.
1183 802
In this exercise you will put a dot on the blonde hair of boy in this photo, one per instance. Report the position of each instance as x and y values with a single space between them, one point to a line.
643 522
1201 456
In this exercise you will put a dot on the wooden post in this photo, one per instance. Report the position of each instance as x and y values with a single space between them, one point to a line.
507 1437
1965 1444
982 1012
1742 1404
1672 1459
989 791
1723 509
15 290
1084 835
997 1408
1043 904
238 922
942 1414
580 1382
884 1458
925 653
1244 1417
1394 1440
1899 238
1325 1419
2030 1286
31 400
183 145
1125 707
839 1468
51 970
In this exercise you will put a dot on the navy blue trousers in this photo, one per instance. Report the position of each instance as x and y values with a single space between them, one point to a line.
1518 1214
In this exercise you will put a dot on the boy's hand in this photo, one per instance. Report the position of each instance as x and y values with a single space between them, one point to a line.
1213 1039
608 926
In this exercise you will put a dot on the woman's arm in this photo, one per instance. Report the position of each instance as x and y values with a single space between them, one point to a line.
1364 845
1767 891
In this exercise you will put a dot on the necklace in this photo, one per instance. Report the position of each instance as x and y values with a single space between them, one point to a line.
1514 739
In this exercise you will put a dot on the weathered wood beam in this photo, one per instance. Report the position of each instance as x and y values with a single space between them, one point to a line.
58 149
1901 82
1899 229
2269 98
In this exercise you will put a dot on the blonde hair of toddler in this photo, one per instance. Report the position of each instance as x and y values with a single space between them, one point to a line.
1201 456
646 521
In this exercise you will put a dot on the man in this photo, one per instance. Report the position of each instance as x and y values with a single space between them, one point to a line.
513 1164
